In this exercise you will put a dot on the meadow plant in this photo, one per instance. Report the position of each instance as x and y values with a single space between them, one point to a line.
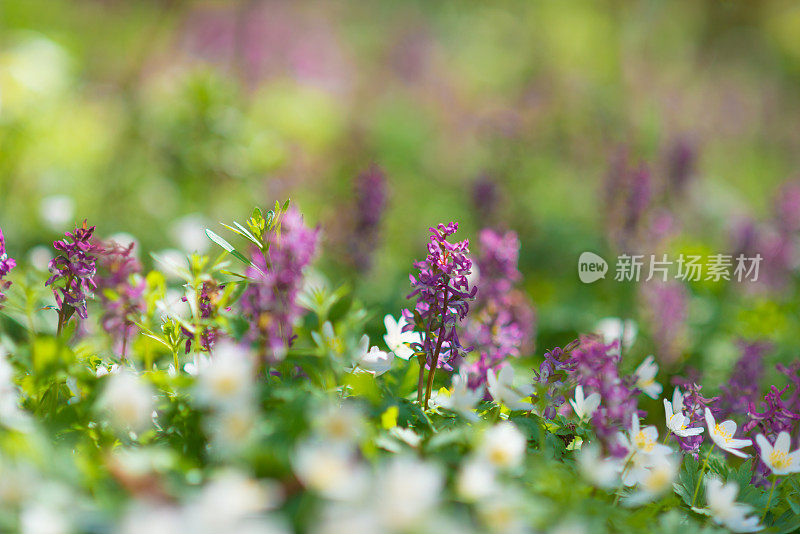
73 273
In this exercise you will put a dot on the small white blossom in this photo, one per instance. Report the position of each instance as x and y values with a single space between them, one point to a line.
375 361
406 490
502 390
128 401
503 446
646 378
601 472
676 421
584 406
330 470
722 435
723 508
339 424
462 399
228 380
777 457
476 480
397 340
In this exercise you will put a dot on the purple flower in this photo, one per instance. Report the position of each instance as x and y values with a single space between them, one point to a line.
594 365
73 273
787 207
667 306
269 302
370 204
207 308
504 323
121 289
6 264
776 417
743 387
694 406
443 294
681 160
485 196
628 192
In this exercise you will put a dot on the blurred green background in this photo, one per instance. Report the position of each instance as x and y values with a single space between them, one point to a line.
159 118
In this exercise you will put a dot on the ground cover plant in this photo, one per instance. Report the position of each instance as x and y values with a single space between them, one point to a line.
399 267
238 392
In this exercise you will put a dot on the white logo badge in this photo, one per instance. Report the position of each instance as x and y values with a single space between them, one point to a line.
591 267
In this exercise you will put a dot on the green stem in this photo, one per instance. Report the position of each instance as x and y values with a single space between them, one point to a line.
702 472
421 380
769 500
435 359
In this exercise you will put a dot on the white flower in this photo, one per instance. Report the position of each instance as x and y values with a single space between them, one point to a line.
228 379
653 479
646 378
722 435
724 509
611 328
340 424
199 362
128 401
676 421
228 500
406 490
584 406
231 428
643 450
476 480
375 361
11 414
599 471
462 399
397 340
501 387
777 457
329 469
503 446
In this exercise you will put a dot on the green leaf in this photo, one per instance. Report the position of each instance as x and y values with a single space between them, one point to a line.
228 247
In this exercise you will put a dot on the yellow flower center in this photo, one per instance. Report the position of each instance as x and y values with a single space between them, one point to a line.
780 460
723 434
643 442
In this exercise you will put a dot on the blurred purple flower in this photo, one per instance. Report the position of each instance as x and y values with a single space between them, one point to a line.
121 290
787 207
743 387
503 326
485 196
73 273
667 309
370 204
6 264
681 160
628 194
270 301
594 365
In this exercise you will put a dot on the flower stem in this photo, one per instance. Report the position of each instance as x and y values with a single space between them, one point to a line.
702 472
435 358
769 499
421 380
